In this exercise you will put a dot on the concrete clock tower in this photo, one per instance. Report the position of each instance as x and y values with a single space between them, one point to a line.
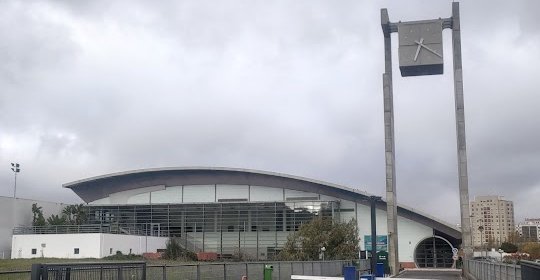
421 53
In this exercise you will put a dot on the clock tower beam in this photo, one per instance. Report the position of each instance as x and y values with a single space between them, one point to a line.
460 132
389 146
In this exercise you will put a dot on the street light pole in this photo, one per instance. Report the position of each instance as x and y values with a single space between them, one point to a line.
373 203
16 168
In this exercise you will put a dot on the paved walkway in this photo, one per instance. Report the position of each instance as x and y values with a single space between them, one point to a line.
452 274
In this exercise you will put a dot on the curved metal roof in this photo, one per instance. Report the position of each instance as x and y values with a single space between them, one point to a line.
98 187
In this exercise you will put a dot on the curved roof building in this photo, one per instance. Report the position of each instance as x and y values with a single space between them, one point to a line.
228 210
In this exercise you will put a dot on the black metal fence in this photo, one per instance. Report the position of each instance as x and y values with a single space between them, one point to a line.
197 271
90 271
253 270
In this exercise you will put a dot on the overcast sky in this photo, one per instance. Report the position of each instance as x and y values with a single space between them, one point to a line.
95 87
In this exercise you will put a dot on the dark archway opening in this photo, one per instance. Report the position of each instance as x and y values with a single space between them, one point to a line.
433 252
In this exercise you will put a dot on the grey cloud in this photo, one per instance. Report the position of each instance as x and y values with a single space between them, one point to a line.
287 86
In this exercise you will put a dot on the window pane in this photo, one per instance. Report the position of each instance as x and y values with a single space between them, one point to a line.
200 193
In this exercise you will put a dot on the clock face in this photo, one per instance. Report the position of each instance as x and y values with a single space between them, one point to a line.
420 48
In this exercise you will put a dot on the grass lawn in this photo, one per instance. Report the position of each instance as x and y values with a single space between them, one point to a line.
26 264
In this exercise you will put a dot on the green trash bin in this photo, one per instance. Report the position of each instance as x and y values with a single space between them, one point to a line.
268 271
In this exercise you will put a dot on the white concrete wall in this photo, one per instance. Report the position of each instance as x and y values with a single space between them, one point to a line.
110 243
56 245
18 212
363 216
91 245
410 232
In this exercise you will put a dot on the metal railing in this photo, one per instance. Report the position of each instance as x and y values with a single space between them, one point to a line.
65 229
196 271
483 270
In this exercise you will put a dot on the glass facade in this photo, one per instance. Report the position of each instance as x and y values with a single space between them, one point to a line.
256 229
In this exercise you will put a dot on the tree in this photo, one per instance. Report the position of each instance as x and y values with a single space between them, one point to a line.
68 212
531 248
56 220
38 220
514 238
74 214
174 251
508 247
339 239
491 243
79 213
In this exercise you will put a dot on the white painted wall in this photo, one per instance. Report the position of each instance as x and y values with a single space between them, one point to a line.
56 245
410 232
18 212
124 243
91 245
363 216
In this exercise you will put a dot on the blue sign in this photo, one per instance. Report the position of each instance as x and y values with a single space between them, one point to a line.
382 243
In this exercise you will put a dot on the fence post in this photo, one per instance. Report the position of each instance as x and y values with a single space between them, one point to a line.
165 272
312 269
247 272
144 272
36 271
198 272
120 276
68 273
44 272
224 271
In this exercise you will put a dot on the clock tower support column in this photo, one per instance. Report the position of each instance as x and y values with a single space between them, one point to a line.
389 148
460 132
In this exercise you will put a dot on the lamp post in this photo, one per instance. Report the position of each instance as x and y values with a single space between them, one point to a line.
16 168
373 203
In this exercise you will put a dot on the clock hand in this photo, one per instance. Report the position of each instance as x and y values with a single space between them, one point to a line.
427 48
418 49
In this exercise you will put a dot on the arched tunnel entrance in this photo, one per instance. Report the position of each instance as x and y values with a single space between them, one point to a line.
433 252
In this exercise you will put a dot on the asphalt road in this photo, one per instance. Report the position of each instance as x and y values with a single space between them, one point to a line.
431 274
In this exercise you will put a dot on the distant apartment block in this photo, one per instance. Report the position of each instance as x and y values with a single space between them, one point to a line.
530 229
492 220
